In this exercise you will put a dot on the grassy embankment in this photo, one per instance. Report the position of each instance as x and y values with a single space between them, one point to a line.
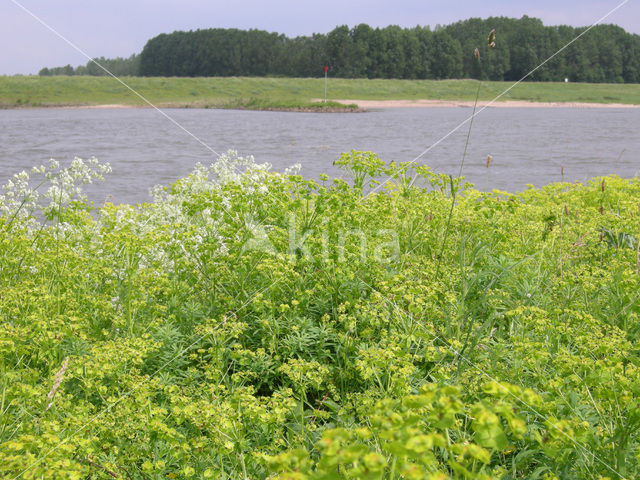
265 324
285 93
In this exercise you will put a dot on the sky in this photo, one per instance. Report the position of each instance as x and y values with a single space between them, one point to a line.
118 28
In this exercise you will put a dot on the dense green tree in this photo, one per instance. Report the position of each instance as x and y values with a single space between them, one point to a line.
631 59
446 59
361 43
420 66
339 48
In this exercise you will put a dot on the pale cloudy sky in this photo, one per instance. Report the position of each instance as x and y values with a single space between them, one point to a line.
122 27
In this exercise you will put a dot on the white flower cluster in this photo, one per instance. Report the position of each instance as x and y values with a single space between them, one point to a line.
293 169
228 168
188 231
20 201
66 182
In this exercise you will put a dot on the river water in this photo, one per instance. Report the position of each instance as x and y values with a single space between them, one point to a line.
527 145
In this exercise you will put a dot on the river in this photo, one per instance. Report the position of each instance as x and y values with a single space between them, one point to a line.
527 145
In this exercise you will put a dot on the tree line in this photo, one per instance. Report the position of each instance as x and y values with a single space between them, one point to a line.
119 66
606 53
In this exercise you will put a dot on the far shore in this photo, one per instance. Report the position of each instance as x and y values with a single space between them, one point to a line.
302 108
419 103
363 105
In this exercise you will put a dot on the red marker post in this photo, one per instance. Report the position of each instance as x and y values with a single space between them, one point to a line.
326 69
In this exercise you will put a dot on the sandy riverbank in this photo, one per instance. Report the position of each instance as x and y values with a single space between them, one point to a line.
111 105
483 103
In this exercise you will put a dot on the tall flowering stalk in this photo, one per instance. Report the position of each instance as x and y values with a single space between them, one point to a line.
476 53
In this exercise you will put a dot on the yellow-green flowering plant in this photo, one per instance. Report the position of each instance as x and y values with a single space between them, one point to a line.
252 324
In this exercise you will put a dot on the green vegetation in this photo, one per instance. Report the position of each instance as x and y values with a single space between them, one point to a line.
221 92
605 54
247 324
289 105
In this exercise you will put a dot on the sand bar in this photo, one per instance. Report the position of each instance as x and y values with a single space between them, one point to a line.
377 104
481 103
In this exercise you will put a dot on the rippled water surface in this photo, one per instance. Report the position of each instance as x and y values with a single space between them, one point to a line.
528 146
